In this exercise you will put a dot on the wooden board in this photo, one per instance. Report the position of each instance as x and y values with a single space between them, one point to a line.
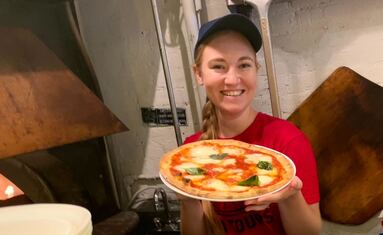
42 103
343 119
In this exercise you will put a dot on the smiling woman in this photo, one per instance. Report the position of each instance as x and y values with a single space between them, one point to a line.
228 73
226 65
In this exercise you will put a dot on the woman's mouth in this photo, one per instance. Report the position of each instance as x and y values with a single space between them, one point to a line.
232 93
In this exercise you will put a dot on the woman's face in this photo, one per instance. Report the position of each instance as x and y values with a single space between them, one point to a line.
228 70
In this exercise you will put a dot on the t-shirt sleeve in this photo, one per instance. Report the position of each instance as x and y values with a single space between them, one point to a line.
192 138
300 151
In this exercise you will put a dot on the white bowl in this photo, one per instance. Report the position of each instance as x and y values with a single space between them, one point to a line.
45 219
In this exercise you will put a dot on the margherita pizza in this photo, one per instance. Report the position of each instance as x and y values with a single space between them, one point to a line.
225 169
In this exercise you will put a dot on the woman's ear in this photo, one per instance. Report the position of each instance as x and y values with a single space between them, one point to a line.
198 75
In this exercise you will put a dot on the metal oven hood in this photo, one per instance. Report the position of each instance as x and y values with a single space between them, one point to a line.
42 103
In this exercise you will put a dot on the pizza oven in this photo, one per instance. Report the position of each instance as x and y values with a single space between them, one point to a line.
53 123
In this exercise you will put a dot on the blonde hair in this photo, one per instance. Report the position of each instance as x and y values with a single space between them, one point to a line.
210 130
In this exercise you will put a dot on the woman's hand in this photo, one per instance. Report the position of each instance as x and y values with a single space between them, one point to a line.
263 202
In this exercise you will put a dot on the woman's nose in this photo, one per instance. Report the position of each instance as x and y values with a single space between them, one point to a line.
232 77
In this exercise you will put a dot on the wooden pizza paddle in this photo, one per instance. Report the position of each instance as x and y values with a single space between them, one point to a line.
343 119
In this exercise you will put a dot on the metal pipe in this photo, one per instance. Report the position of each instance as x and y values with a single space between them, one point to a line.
74 19
263 8
165 203
198 8
192 22
165 66
189 9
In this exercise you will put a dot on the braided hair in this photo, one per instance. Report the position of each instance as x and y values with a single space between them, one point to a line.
210 130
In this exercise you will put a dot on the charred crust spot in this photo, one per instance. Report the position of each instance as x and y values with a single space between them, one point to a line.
186 180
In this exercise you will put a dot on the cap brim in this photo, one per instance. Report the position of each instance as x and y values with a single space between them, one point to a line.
235 22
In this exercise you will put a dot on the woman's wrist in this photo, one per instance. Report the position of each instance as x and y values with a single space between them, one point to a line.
189 201
292 199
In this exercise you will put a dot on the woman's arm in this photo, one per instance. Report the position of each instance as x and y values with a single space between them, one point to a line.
299 206
297 216
192 218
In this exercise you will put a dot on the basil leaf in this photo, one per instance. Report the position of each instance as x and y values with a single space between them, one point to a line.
218 156
195 171
265 165
252 181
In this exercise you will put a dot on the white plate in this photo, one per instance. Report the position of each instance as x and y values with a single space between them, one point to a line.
45 219
177 190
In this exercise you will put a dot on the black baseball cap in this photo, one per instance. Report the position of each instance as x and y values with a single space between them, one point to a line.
235 22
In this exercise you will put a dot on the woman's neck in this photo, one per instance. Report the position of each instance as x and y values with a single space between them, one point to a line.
230 126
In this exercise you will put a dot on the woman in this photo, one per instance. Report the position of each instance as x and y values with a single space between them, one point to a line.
226 65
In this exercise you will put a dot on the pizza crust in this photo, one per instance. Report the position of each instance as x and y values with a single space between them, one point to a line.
229 192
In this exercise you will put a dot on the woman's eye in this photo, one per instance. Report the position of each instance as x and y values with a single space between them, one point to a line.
218 67
245 65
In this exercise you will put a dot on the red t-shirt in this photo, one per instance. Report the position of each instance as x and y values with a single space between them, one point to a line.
284 137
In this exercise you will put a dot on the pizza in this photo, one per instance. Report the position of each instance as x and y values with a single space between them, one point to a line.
225 169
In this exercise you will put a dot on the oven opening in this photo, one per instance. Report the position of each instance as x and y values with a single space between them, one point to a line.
8 189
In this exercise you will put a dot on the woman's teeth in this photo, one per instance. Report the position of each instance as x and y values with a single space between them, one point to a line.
232 93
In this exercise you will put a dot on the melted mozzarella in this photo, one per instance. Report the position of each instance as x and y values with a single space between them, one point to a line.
235 177
185 165
234 171
216 184
256 157
267 172
203 151
194 177
218 169
265 179
229 161
234 174
233 151
206 160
